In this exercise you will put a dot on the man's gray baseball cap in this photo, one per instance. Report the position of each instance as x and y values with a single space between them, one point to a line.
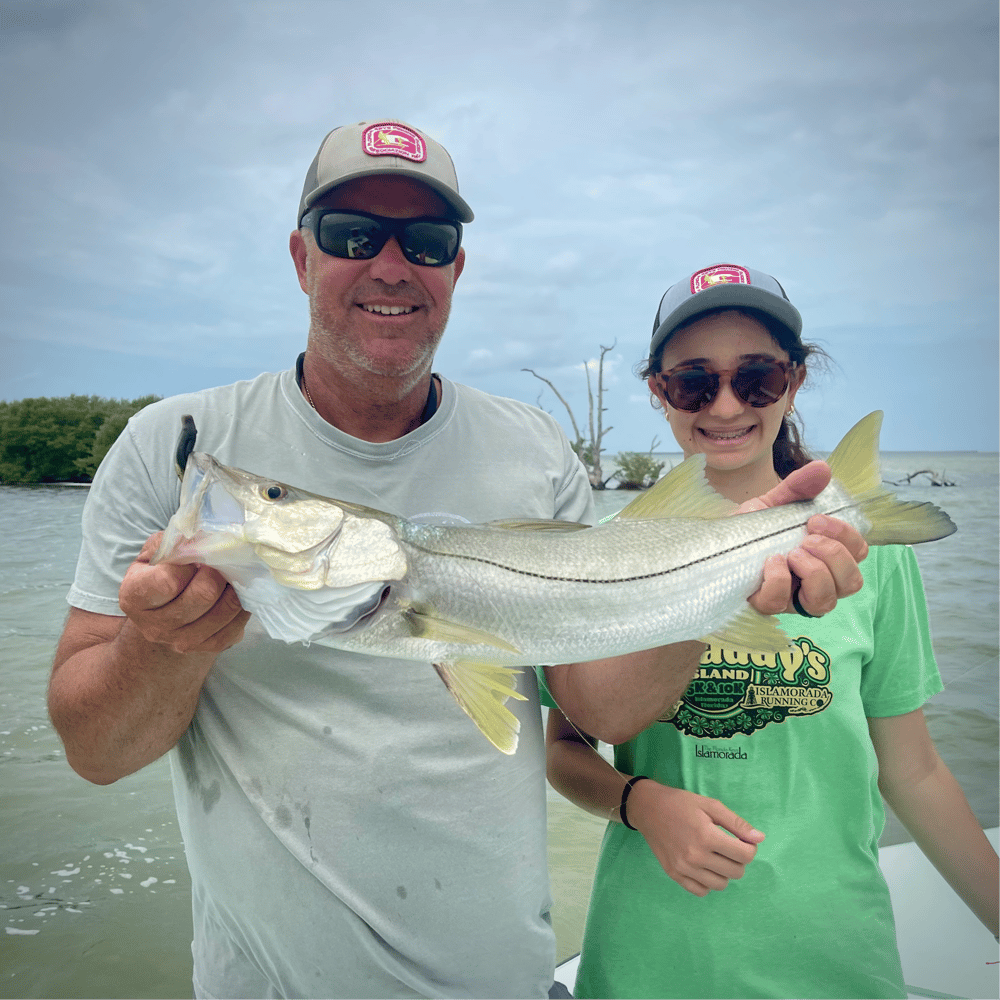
386 147
722 286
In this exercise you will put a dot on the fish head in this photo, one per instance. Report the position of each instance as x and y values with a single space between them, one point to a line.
237 521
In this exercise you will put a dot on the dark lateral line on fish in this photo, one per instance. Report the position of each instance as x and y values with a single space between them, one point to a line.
633 579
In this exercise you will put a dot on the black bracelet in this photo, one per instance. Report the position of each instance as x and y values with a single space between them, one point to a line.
798 607
625 791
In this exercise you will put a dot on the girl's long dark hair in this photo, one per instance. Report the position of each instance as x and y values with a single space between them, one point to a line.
788 452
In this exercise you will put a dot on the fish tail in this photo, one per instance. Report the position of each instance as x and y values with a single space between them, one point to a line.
855 465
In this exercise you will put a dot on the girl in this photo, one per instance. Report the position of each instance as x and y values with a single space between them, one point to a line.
804 745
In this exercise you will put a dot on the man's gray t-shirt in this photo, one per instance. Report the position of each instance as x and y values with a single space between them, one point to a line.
349 831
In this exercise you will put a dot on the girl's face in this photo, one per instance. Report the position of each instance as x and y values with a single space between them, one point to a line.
735 437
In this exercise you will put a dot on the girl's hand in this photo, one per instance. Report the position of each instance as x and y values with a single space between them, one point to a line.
824 568
687 833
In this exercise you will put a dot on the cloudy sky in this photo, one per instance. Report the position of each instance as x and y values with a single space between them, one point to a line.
153 155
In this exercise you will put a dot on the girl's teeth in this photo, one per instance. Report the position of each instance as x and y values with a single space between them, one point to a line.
727 436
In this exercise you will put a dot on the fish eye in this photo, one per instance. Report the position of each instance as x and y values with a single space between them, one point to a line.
273 492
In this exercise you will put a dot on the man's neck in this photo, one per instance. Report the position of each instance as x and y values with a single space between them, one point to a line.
375 408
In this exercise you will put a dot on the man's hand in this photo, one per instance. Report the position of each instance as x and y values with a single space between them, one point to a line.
190 609
824 568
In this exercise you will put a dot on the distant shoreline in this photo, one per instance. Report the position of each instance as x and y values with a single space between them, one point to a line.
667 456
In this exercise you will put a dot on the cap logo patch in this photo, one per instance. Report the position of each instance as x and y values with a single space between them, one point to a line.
391 139
720 274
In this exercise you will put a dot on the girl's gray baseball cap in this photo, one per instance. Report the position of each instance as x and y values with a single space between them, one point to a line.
385 147
717 287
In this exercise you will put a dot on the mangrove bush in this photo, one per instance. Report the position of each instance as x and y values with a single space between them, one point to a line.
60 439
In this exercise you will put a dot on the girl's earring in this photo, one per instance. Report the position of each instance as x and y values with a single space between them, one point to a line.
791 410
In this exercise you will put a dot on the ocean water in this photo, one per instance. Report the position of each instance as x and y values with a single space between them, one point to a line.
94 890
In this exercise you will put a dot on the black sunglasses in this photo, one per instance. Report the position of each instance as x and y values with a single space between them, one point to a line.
759 383
359 236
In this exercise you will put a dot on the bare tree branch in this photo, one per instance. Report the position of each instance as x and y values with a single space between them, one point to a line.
572 419
590 453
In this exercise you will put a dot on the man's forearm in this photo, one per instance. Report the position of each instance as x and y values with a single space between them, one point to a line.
122 703
616 698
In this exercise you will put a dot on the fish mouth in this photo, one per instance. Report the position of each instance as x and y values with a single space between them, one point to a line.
208 516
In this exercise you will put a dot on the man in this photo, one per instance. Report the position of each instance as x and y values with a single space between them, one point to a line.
349 831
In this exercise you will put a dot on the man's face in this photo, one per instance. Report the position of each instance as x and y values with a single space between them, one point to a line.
354 305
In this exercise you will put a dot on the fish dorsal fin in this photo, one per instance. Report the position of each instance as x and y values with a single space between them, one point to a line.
482 689
536 524
854 462
423 625
682 492
752 632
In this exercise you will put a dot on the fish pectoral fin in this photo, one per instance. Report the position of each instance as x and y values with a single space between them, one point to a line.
426 626
682 492
482 689
751 632
537 524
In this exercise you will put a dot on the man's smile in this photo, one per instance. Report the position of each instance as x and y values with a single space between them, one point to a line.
388 310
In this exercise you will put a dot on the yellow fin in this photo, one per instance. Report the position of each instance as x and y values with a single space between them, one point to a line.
904 522
426 626
854 462
682 492
855 465
751 631
482 689
536 524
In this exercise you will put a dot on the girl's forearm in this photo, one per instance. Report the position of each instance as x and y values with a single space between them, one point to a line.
936 812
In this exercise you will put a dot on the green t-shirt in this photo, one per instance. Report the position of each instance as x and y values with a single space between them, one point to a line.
783 742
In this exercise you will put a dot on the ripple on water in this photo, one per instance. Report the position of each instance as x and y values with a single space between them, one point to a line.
30 904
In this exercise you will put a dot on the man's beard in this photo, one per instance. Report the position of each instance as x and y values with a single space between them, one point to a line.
335 346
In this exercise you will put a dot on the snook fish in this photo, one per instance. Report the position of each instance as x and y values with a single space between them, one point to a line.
476 601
